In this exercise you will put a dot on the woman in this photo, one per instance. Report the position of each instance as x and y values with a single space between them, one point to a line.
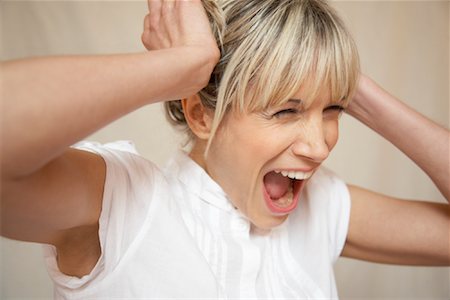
184 235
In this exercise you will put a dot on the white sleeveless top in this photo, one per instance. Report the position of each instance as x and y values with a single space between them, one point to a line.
173 234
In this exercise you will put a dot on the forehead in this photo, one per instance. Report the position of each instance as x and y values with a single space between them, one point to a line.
309 95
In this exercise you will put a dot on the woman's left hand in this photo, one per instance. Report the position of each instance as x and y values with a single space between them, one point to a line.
422 140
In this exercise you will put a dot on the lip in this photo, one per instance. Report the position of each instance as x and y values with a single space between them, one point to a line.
305 170
298 187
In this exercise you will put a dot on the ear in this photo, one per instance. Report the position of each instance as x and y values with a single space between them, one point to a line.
198 117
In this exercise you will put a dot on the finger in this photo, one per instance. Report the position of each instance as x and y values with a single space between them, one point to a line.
169 19
152 4
146 32
168 8
157 34
146 22
170 3
154 8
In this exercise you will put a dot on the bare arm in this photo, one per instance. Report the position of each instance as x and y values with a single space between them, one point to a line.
396 231
388 230
50 103
422 140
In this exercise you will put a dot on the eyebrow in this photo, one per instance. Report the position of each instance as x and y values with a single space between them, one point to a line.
340 101
295 101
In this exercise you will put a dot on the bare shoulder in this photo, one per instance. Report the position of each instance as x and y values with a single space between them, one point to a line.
390 230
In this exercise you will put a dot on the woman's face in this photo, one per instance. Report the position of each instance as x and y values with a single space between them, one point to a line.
262 160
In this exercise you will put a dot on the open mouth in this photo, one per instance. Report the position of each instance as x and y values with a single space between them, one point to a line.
282 189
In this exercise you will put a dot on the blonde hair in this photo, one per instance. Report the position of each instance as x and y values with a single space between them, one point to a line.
269 49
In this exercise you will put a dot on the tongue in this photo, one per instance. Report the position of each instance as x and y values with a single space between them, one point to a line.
276 185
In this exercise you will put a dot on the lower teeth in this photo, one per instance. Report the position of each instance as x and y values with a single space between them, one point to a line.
286 200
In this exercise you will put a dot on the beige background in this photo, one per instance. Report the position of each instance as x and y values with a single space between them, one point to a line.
403 45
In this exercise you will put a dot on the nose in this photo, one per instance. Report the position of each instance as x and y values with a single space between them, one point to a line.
311 142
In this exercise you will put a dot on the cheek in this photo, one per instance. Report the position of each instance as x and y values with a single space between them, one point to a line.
331 133
232 161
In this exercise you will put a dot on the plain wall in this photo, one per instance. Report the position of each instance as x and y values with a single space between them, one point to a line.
403 45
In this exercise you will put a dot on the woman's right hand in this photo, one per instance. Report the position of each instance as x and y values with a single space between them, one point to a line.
180 24
52 194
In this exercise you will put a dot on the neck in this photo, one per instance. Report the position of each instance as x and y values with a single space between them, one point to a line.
197 153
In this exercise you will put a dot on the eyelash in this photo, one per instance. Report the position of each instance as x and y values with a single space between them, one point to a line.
339 108
284 112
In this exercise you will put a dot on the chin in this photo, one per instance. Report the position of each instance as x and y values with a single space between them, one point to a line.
270 222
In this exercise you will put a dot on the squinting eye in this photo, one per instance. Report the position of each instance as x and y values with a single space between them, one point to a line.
285 112
335 108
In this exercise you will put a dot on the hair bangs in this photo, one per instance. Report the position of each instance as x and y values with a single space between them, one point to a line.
315 58
335 69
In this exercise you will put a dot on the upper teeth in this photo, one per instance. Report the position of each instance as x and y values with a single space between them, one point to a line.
295 174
